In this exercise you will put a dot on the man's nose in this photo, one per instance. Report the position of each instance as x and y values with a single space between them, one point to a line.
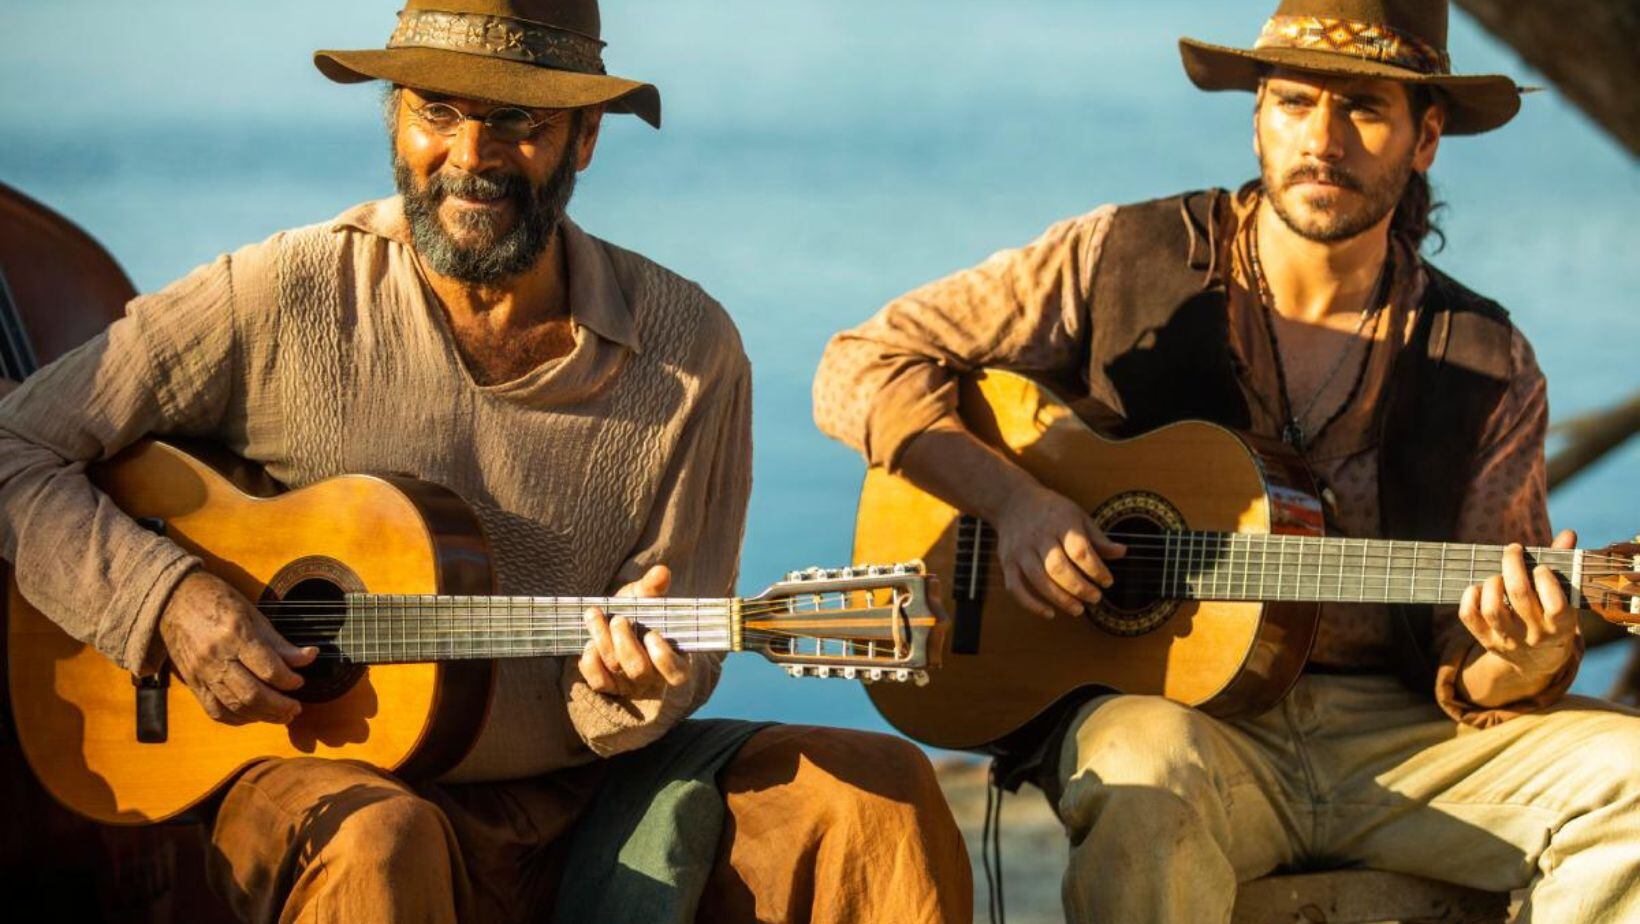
1324 131
471 148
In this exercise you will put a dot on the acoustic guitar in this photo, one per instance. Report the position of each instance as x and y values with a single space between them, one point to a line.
1215 604
391 579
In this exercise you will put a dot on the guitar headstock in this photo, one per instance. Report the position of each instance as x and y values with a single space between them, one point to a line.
1611 583
868 623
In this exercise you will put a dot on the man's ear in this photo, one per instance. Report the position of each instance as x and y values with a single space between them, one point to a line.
1429 137
1258 106
592 120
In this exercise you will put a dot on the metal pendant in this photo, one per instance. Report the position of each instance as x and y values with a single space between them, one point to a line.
1293 435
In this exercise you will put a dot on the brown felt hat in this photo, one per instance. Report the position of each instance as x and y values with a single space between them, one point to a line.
1401 40
544 54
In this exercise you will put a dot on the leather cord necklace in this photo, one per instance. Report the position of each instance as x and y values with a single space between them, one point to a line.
1292 430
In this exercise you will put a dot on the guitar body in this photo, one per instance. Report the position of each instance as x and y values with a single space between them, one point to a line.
76 711
1003 666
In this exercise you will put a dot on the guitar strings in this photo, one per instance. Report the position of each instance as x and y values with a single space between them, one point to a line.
1220 549
1276 541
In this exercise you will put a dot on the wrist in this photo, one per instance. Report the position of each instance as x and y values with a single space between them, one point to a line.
1015 491
1491 680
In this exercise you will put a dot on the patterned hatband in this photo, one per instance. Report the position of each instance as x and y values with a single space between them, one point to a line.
499 37
1370 41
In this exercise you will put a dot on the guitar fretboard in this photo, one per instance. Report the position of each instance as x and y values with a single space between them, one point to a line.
1194 565
1236 566
399 628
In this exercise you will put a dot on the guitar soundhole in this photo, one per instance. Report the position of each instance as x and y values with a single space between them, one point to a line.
306 602
1134 604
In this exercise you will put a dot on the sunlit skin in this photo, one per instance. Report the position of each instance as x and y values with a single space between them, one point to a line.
506 330
224 649
1360 138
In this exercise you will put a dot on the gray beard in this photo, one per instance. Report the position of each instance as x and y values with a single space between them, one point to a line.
496 253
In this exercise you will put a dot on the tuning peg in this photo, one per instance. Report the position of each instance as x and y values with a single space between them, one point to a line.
873 675
850 673
920 678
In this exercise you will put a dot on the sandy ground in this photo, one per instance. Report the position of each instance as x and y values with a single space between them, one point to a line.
1033 844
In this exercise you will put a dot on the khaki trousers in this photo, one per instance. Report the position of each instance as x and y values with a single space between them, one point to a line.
1168 809
823 825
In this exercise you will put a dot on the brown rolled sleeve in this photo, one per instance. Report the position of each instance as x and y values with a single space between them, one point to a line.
166 367
1507 501
895 376
695 530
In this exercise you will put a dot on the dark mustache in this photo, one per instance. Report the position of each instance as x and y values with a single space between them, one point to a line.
1319 174
479 186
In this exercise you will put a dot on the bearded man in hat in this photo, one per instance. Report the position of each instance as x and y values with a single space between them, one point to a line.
1297 308
591 406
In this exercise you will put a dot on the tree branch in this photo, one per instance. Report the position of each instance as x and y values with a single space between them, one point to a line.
1586 47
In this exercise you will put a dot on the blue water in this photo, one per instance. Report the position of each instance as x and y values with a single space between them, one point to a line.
819 157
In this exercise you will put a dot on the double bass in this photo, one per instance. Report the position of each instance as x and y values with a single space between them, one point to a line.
58 289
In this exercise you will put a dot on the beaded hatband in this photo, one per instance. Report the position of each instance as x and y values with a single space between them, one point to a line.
499 37
1369 41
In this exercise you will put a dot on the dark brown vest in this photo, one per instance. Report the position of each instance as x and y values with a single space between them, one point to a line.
1159 352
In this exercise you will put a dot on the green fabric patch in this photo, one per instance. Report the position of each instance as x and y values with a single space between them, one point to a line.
643 849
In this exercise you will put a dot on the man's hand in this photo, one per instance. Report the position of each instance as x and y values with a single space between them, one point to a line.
616 663
1523 618
228 653
1052 556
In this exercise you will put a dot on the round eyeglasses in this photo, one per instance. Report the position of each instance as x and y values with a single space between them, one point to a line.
508 124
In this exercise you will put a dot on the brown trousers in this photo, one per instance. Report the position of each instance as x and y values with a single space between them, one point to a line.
823 825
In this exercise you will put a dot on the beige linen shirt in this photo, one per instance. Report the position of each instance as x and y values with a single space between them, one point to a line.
322 351
1029 310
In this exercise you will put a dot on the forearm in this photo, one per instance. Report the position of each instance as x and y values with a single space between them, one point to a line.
889 380
81 561
954 465
165 367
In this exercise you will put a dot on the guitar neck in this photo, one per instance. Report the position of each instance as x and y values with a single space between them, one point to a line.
395 628
1237 566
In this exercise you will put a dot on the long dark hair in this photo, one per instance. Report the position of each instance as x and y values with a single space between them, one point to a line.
1415 214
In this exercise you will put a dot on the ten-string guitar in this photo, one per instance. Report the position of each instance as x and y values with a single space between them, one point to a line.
390 578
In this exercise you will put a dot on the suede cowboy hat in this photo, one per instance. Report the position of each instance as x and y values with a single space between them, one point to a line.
1402 40
543 54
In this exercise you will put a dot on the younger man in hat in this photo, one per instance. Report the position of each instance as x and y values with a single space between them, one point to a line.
1298 308
593 408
